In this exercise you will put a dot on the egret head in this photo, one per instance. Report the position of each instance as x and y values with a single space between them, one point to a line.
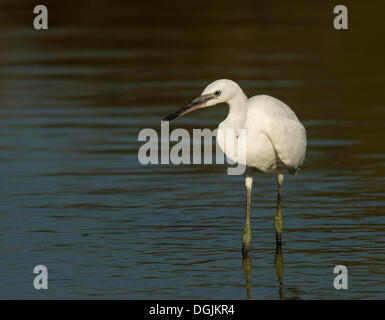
216 92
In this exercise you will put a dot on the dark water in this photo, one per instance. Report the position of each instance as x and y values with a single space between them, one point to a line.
74 197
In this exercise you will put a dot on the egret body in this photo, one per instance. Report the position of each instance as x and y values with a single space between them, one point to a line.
275 138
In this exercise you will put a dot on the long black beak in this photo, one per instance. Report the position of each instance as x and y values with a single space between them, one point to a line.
194 105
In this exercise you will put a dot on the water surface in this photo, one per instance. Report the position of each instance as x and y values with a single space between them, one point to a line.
74 197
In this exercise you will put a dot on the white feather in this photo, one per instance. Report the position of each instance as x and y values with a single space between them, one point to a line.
276 140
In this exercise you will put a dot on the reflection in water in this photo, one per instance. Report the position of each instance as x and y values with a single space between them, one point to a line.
278 264
246 264
278 259
278 221
73 100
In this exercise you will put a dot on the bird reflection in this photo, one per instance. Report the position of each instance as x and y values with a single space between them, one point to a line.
246 264
278 259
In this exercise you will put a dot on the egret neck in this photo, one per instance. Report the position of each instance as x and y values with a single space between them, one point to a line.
261 133
229 128
237 112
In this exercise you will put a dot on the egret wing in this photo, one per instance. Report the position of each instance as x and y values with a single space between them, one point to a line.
288 138
280 124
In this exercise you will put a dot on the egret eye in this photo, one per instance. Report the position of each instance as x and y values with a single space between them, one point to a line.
217 93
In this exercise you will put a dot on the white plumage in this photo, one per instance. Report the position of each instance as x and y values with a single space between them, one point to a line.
275 139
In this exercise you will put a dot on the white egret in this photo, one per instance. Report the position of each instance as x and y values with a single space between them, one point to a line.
275 139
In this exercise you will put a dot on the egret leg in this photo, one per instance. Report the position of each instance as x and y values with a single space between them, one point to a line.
279 182
247 231
278 215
